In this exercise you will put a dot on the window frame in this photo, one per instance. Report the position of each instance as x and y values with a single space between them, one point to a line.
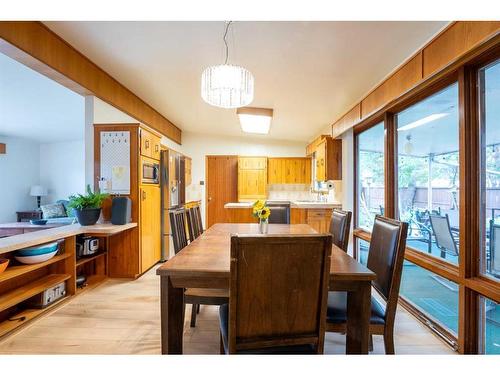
472 283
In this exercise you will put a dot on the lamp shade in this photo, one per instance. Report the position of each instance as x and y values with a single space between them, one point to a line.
38 191
227 86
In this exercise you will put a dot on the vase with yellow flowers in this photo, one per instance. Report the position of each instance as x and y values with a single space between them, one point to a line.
262 212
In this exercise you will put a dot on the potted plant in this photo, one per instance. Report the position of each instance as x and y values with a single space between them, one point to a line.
262 212
87 207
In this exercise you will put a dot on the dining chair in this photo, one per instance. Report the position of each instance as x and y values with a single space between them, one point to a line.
178 228
385 258
277 294
197 215
193 296
192 224
340 225
446 240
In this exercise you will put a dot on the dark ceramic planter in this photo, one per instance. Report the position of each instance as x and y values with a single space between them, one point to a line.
88 216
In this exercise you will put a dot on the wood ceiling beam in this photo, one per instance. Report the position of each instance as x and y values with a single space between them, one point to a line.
35 45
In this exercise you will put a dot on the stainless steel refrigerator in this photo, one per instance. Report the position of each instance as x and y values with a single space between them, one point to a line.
173 193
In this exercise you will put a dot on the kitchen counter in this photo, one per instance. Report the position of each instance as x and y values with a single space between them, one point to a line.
25 240
293 204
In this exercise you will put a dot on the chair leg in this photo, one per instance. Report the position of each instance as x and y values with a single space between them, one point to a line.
198 309
389 342
370 344
193 315
221 345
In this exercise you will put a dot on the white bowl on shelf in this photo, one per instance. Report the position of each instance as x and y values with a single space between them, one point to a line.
34 259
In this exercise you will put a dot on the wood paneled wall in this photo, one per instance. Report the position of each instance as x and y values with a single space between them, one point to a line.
36 46
454 42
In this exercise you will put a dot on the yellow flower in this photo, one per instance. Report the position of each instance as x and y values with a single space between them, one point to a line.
259 205
264 213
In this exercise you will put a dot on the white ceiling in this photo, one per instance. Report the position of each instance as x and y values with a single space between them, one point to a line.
37 108
308 72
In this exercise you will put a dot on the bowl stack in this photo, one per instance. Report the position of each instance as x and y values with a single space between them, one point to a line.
37 254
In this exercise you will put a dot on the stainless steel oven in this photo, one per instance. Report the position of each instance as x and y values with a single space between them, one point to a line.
150 172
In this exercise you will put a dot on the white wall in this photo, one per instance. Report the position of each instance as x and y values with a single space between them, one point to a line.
62 166
19 170
197 146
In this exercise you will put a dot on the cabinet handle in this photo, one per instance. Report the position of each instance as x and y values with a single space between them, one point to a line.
147 143
156 148
143 195
322 161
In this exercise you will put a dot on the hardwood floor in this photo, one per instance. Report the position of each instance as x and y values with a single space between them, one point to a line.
123 317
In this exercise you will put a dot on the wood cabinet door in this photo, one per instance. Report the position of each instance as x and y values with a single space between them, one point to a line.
251 162
146 144
252 184
155 147
273 169
321 161
319 219
188 171
150 226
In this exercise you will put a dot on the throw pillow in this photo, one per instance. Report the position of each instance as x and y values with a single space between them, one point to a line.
50 211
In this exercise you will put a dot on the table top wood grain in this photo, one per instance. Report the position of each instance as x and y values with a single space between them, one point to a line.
209 255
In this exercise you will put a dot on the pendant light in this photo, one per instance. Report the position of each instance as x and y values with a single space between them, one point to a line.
227 86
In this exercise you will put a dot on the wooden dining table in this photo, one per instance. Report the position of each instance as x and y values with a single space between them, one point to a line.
205 263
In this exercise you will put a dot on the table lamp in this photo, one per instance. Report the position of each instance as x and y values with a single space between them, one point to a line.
38 192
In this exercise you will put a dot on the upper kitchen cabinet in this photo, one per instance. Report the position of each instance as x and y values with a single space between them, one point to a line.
289 170
327 158
150 144
252 178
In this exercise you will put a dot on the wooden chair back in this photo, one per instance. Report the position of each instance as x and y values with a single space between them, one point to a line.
385 258
278 291
192 225
195 226
340 226
178 228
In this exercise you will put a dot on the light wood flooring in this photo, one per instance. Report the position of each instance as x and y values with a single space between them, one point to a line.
123 317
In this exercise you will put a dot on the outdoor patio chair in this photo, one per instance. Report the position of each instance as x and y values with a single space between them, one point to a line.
446 241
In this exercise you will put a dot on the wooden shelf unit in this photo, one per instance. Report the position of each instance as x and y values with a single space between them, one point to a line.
15 271
82 261
29 290
23 317
19 282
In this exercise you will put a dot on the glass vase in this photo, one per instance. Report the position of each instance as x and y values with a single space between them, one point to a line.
263 226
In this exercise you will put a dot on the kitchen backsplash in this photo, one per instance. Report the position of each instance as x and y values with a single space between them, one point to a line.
298 192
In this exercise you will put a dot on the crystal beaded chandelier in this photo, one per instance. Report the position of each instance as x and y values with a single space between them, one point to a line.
227 86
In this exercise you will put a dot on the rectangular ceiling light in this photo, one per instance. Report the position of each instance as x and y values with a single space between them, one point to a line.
255 120
422 121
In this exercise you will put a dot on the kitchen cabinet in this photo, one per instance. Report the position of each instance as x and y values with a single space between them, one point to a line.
289 170
327 156
150 226
318 218
188 177
252 178
150 144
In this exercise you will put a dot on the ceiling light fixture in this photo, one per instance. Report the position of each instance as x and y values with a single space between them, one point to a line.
255 120
227 86
422 121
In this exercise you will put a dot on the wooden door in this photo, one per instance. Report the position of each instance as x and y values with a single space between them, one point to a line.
150 226
222 187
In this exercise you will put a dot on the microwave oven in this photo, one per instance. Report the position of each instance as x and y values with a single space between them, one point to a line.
150 173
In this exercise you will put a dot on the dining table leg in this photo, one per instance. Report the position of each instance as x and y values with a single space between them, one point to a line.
172 316
358 319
